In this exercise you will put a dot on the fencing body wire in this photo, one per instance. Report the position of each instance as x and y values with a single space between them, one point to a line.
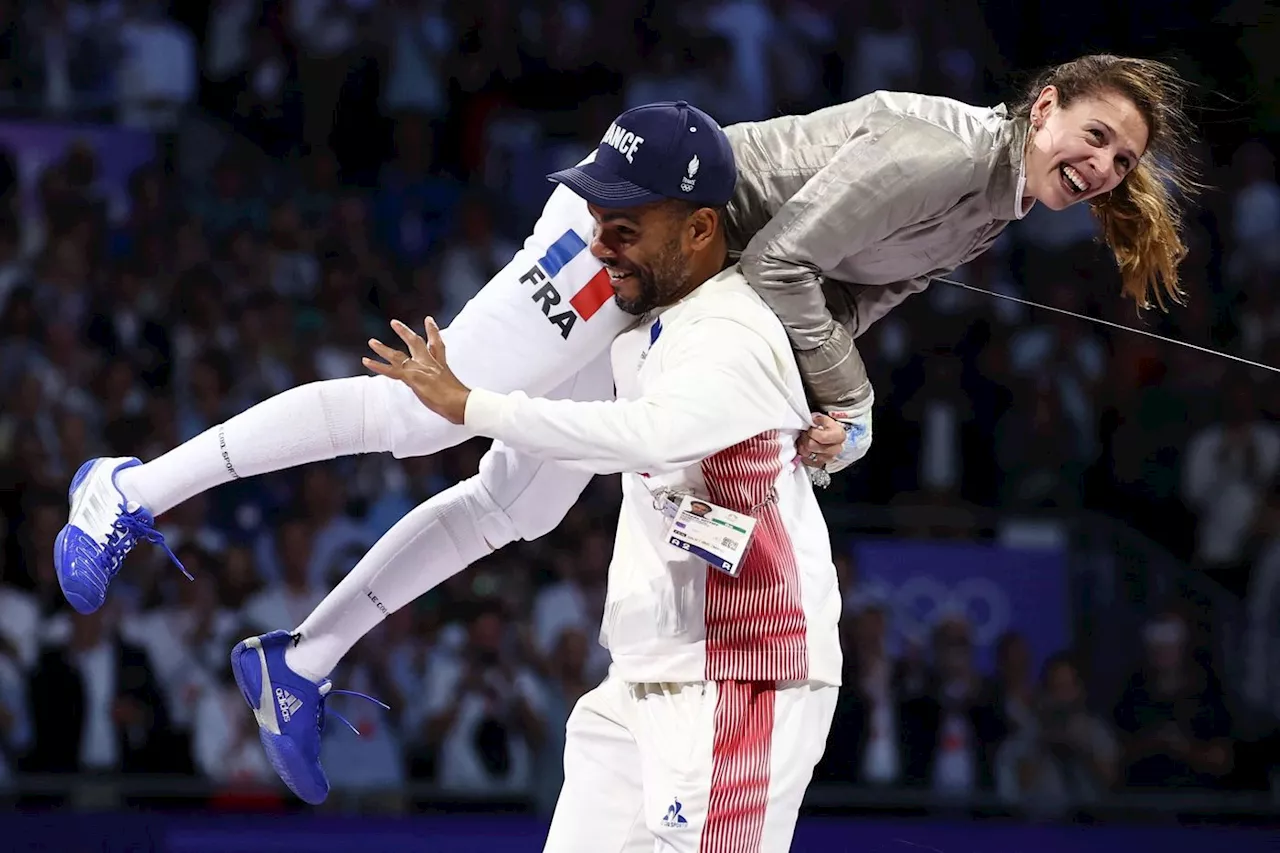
821 478
1107 323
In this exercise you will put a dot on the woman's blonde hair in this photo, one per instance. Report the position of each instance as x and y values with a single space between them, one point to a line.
1142 217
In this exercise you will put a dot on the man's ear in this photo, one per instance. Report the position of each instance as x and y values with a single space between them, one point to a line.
702 225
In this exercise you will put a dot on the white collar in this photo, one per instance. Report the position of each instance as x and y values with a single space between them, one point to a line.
1018 210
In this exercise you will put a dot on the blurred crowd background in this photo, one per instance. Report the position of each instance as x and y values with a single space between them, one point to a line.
205 203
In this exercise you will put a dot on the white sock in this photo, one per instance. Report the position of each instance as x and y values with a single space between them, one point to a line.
310 423
424 549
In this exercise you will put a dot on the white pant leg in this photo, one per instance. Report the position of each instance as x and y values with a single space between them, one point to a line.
533 326
525 497
599 808
512 497
802 717
726 764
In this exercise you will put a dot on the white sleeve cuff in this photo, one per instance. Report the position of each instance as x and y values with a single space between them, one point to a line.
486 412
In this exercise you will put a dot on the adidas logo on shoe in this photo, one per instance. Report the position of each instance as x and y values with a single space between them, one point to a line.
289 704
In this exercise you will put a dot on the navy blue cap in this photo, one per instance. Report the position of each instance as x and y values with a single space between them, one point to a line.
656 152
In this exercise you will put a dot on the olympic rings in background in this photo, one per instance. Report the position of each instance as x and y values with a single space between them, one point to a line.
919 602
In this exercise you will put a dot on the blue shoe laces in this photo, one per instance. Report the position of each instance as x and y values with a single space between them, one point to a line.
127 530
321 710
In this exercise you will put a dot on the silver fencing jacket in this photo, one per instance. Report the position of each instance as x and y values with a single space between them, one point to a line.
841 214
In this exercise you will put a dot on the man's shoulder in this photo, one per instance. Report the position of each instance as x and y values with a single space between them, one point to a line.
728 296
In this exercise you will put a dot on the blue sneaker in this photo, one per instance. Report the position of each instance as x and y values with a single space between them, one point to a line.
100 532
290 712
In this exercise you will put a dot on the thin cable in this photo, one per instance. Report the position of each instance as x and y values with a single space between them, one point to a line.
1119 326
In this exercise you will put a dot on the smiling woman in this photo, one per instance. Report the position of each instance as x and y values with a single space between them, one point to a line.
1084 150
1113 131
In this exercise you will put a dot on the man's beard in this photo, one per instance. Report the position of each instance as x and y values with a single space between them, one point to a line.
666 277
